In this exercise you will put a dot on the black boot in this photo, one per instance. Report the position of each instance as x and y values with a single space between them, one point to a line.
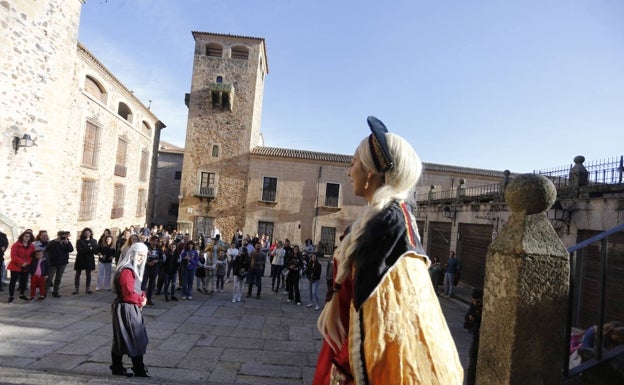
138 368
117 366
249 291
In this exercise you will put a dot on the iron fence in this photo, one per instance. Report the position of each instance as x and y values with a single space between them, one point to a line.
605 171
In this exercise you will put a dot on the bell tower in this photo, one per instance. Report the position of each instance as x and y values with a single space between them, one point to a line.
224 113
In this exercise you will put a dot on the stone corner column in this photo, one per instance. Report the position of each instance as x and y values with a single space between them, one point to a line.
525 294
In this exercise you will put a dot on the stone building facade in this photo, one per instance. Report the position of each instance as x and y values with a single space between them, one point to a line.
224 104
231 181
167 190
91 164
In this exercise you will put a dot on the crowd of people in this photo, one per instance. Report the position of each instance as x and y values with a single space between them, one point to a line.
203 265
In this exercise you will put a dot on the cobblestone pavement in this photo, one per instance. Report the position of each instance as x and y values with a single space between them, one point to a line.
208 340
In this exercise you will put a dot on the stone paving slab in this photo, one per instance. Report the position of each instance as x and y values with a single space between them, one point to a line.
208 340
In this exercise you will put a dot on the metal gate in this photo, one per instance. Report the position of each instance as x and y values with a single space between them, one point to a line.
439 244
472 247
328 240
203 226
588 270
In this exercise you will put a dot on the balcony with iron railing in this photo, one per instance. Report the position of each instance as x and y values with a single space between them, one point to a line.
578 180
206 192
117 212
120 170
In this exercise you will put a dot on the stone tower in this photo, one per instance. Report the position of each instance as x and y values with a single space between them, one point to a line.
225 105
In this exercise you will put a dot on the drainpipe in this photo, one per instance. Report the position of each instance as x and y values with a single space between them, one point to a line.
316 209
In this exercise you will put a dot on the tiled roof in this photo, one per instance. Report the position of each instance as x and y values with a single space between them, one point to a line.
327 157
225 35
462 170
300 154
168 147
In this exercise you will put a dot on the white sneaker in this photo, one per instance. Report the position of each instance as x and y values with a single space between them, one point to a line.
233 301
298 303
183 297
317 308
189 297
238 300
309 305
289 300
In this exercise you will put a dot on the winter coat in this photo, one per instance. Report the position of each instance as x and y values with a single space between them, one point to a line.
20 255
85 257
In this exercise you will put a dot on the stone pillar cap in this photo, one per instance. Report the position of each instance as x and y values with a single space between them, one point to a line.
532 193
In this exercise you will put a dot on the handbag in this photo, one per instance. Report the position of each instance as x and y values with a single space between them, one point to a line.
285 273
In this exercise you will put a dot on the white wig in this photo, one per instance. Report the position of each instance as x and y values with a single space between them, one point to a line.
129 260
398 181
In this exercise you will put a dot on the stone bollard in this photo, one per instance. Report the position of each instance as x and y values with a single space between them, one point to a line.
526 292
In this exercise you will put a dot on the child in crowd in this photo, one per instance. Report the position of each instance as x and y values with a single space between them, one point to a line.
220 267
210 268
200 274
38 275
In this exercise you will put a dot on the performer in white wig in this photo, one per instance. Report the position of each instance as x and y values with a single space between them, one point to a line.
383 323
129 334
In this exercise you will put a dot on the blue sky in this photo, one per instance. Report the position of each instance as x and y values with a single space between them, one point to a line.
520 85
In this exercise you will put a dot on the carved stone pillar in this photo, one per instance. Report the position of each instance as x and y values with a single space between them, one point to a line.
526 290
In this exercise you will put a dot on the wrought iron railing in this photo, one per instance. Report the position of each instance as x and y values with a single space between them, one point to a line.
606 171
600 355
602 172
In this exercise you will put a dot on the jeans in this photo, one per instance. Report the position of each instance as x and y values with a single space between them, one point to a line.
77 279
170 281
276 274
292 285
449 283
254 277
149 281
229 269
55 273
220 280
187 282
238 288
104 276
314 299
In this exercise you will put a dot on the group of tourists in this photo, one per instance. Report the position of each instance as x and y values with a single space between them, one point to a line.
380 282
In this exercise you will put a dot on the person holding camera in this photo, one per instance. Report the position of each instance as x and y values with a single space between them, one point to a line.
58 257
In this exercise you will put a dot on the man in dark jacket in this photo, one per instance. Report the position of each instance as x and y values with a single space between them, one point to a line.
58 257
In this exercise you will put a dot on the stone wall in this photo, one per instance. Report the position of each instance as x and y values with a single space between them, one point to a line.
167 187
234 132
300 211
38 43
42 85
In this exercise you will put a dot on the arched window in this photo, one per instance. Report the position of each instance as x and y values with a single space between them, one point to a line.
214 50
240 52
124 111
219 79
94 88
215 151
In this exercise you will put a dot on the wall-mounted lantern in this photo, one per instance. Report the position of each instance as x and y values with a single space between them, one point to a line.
25 141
